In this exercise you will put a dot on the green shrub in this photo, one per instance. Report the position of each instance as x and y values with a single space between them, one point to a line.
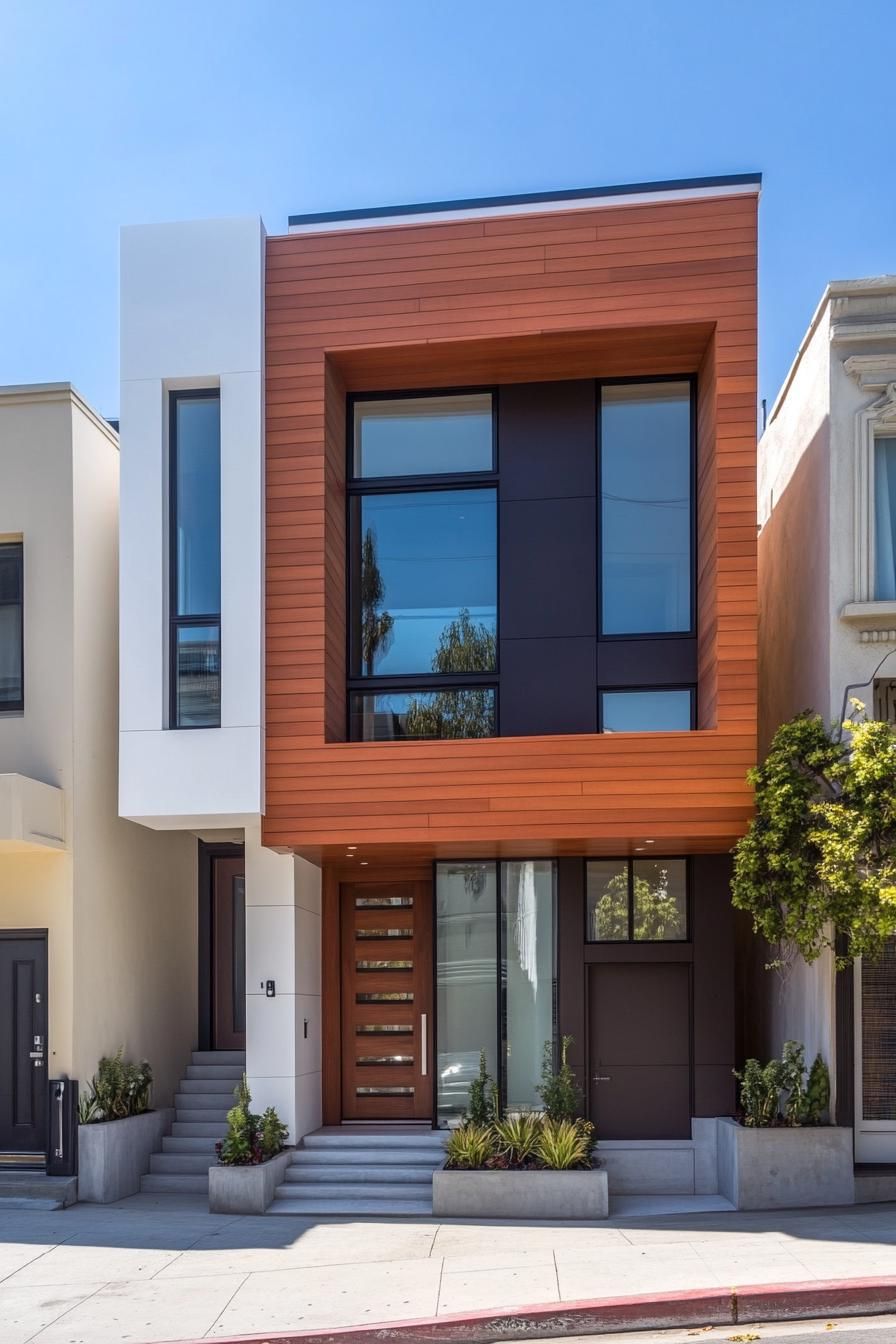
760 1092
793 1081
470 1146
818 1093
117 1090
565 1144
517 1137
250 1138
484 1105
559 1091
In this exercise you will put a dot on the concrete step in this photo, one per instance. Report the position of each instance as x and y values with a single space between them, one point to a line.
197 1129
194 1145
188 1115
374 1190
368 1157
285 1202
203 1101
210 1086
326 1174
10 1204
36 1187
174 1185
426 1139
236 1057
226 1073
175 1164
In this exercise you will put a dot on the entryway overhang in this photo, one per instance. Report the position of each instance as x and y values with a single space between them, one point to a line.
32 815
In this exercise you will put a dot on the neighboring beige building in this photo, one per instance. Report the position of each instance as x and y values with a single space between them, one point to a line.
98 915
827 626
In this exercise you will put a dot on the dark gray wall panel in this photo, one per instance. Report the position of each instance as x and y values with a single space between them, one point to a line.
547 440
547 686
547 568
647 662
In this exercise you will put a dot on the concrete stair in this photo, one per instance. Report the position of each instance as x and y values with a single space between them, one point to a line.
374 1171
201 1104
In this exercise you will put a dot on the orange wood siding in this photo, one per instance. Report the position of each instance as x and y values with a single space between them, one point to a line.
626 290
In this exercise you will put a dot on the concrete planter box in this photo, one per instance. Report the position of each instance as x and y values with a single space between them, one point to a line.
113 1155
520 1194
785 1168
246 1189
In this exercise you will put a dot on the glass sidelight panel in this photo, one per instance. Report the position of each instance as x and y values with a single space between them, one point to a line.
466 979
528 973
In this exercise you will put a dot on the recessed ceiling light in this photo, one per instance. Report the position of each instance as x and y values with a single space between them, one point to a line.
363 863
639 849
650 842
351 846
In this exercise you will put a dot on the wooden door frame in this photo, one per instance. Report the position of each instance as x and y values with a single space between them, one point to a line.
41 936
331 968
208 852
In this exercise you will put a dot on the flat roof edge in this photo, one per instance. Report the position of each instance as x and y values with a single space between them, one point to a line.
533 198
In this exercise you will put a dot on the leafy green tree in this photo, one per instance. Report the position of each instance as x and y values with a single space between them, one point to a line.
376 624
819 859
464 645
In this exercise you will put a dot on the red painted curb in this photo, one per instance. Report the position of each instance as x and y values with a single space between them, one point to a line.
702 1306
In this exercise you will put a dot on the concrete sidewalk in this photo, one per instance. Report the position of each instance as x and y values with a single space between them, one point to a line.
163 1268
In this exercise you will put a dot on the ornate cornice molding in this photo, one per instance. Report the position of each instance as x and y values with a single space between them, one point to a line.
873 373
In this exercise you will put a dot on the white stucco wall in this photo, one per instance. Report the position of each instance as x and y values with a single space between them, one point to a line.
810 527
191 316
118 902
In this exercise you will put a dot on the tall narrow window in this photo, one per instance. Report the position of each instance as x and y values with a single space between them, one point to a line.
646 510
528 976
885 520
195 480
12 678
466 979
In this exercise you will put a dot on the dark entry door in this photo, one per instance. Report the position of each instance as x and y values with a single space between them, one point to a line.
229 954
639 1050
387 954
23 1044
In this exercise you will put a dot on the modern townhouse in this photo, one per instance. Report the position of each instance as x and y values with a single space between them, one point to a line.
827 499
97 937
438 632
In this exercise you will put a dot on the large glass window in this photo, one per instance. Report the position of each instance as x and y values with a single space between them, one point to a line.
195 639
637 900
466 980
528 975
646 508
885 520
12 689
419 436
647 711
427 582
424 570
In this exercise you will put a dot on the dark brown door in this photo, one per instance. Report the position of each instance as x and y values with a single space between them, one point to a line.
639 1050
229 954
23 1045
386 932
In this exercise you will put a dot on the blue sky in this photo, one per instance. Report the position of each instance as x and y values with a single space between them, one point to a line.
133 111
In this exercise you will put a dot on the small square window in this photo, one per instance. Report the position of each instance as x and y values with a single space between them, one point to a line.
637 901
647 711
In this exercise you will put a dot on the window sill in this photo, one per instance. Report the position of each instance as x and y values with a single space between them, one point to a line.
858 613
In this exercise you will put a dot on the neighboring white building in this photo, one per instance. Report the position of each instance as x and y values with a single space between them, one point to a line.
192 650
97 915
827 622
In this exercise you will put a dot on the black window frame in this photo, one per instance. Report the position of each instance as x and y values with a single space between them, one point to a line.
176 622
431 482
647 690
600 383
17 550
630 860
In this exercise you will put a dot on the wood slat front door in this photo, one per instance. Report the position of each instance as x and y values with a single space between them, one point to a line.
386 1001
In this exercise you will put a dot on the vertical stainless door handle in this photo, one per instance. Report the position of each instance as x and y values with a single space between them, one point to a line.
424 1069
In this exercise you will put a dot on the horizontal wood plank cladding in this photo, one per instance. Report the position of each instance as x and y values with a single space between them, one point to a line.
629 290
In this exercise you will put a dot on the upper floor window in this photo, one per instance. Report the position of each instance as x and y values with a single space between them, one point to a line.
885 520
646 508
12 677
647 711
424 568
195 559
